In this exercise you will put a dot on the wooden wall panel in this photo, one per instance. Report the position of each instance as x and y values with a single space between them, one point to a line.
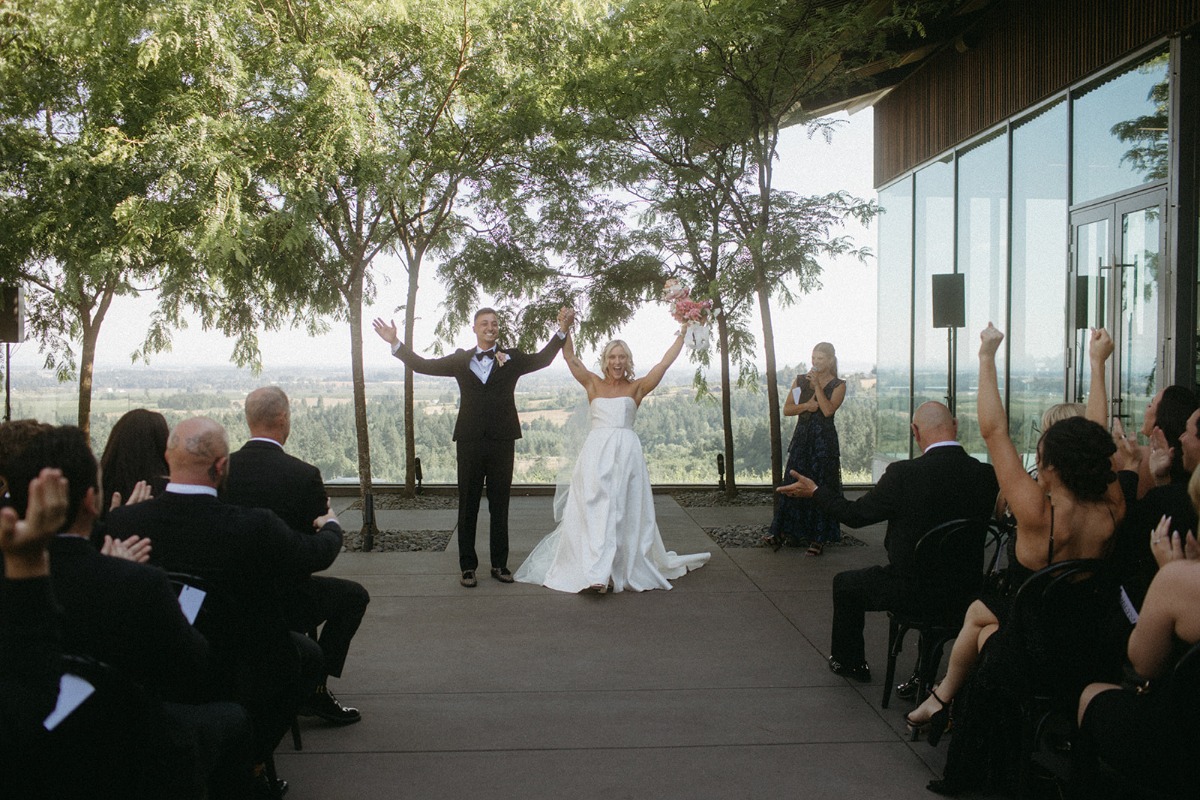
1019 52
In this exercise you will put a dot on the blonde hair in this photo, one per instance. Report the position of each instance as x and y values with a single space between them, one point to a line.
827 349
1060 411
628 360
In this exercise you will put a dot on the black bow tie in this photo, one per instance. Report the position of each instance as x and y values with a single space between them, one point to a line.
485 354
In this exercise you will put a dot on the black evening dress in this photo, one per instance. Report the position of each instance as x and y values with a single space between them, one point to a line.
815 453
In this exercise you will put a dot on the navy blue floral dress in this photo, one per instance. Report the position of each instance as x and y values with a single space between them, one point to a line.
814 453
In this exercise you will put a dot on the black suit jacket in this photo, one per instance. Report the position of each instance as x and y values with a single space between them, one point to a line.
486 410
127 615
244 552
262 475
913 496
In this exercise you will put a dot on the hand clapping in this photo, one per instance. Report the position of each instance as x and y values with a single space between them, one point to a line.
1168 545
24 541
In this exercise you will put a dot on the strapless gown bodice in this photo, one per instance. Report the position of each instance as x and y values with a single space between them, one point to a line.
612 412
608 532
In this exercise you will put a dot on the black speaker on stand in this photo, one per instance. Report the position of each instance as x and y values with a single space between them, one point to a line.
12 331
949 312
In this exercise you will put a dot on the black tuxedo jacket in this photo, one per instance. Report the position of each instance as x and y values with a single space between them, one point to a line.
913 496
486 410
244 552
262 475
127 615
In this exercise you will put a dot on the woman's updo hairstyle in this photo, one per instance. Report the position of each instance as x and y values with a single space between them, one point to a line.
1081 452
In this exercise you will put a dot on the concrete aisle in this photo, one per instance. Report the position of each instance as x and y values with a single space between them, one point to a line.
716 689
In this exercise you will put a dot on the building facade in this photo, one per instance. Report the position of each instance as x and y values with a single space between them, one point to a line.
1048 155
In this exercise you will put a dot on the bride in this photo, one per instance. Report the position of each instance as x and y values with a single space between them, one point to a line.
607 536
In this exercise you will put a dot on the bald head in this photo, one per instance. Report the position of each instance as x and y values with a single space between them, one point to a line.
198 452
932 423
268 414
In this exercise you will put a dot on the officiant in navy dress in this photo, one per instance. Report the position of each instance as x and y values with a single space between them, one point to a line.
487 427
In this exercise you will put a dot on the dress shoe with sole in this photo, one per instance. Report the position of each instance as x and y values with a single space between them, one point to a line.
502 574
468 578
861 673
908 689
263 788
323 704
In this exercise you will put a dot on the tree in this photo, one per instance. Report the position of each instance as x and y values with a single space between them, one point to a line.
735 72
83 222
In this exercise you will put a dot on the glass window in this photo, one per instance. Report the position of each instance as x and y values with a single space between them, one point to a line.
892 388
933 254
1038 321
983 260
1119 129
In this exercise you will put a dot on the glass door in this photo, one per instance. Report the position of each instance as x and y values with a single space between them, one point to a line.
1138 319
1119 283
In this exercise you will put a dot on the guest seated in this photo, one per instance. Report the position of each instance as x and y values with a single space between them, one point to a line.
943 484
262 475
126 615
243 553
1143 733
1068 512
30 639
134 459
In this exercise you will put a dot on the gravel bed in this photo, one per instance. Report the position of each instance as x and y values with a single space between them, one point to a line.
422 502
399 541
694 498
738 536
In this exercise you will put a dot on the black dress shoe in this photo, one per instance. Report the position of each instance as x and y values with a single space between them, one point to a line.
468 578
502 574
861 673
908 689
263 788
323 704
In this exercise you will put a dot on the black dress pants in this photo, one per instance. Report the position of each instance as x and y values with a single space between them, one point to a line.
856 592
337 604
483 461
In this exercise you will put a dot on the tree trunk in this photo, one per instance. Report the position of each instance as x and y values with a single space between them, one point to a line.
90 324
726 402
410 431
764 309
87 366
354 303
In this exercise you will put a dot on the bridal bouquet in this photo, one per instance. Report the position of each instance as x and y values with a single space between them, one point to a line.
686 310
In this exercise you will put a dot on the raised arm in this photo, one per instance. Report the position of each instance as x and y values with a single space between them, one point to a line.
443 367
585 376
1021 491
1099 349
645 385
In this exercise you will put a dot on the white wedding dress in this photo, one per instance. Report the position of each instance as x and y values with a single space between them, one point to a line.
608 530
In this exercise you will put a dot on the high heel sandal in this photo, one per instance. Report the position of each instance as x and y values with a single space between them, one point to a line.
775 542
938 723
815 549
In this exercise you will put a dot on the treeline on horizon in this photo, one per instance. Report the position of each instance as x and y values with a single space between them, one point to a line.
680 434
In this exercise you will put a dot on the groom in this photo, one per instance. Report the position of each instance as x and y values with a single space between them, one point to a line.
487 427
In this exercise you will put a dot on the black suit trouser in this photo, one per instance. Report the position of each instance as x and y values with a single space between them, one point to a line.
337 604
856 592
483 461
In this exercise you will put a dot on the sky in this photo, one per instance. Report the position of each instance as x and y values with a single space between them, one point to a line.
842 312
